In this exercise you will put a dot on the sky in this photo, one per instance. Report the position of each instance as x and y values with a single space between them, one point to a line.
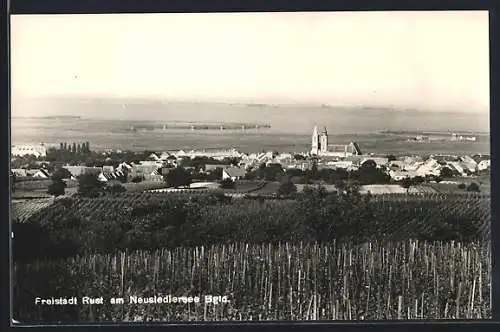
424 60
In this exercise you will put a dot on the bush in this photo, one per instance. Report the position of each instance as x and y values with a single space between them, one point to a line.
89 185
56 188
473 187
461 186
137 179
116 188
227 184
178 177
287 188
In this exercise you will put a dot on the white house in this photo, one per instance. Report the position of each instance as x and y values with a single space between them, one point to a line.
101 177
455 165
344 164
153 156
79 170
24 150
41 174
233 173
430 167
21 172
469 164
124 166
484 164
400 175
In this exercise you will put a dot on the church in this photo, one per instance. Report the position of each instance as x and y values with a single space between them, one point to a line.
320 146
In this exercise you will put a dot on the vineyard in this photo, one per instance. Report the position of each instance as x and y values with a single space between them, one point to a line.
398 215
313 256
284 281
22 210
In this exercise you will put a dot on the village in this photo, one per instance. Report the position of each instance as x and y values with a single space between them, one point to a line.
330 163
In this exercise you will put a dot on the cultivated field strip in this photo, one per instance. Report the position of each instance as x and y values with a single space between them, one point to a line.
411 214
23 210
286 281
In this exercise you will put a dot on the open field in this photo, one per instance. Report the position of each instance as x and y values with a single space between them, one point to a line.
144 185
451 185
285 281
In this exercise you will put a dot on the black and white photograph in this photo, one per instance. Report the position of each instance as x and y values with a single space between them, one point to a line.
250 167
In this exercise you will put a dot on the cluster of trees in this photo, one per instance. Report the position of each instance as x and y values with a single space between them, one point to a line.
270 172
178 177
447 172
368 173
75 148
58 186
93 158
68 150
28 162
472 187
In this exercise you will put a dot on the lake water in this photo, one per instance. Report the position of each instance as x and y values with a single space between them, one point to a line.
104 126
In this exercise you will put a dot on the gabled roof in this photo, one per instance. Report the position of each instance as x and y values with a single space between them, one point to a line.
235 171
209 167
43 172
356 148
19 171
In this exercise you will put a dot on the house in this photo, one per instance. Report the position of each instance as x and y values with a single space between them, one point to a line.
124 167
399 175
430 167
154 176
484 164
413 166
154 157
480 157
101 177
469 164
79 170
143 169
19 172
457 166
344 164
24 150
211 167
114 175
41 174
233 173
397 164
180 153
151 163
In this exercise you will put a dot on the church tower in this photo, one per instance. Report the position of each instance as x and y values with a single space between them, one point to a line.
315 141
323 141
